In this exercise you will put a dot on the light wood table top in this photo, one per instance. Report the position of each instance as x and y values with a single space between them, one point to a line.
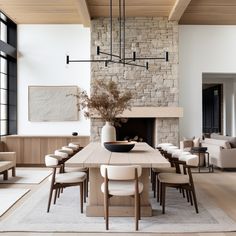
94 155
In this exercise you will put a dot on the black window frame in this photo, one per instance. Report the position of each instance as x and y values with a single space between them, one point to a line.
8 52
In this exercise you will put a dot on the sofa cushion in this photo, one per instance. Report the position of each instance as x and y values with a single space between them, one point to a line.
232 140
217 142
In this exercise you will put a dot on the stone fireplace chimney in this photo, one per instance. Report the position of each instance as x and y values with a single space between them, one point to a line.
156 87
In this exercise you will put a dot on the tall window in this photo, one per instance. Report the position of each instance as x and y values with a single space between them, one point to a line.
8 76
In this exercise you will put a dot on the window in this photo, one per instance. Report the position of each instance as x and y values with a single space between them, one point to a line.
8 76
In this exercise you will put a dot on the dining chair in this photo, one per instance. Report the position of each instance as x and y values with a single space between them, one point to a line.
183 181
70 150
64 169
156 171
74 145
121 181
63 180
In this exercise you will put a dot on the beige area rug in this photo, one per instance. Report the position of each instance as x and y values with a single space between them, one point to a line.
65 216
26 176
8 197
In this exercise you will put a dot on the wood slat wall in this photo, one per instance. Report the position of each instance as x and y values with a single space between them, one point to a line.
31 150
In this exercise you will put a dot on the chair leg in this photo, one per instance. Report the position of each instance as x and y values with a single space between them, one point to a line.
136 212
5 175
190 197
163 190
58 192
160 188
183 193
85 190
139 205
13 171
55 196
81 197
106 210
195 199
187 195
154 184
87 186
50 198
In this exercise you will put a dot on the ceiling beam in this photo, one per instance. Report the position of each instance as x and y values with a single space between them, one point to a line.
178 9
83 10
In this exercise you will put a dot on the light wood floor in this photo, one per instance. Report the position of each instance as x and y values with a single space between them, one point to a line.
221 186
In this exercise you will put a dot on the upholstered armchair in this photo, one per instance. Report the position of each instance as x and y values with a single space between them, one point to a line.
7 162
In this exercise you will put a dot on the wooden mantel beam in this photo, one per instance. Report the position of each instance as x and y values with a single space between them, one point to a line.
178 9
83 11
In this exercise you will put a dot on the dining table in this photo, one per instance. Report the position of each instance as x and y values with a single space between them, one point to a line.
94 155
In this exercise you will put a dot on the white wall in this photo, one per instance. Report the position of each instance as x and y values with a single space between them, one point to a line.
42 61
202 49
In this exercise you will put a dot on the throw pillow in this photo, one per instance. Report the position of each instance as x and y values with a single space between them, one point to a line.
227 145
196 142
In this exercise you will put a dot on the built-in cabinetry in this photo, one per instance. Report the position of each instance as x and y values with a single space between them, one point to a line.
31 150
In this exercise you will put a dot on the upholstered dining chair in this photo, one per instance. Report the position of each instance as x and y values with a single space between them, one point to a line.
63 180
70 150
121 181
75 146
183 180
65 156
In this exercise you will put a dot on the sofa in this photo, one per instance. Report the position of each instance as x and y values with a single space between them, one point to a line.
222 150
7 162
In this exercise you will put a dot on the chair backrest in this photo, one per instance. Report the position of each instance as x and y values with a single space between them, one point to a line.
69 150
52 160
61 153
74 145
120 172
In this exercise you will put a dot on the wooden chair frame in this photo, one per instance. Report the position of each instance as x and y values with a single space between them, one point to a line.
59 186
189 188
136 196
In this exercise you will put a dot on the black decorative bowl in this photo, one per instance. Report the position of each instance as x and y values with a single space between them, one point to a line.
119 146
74 133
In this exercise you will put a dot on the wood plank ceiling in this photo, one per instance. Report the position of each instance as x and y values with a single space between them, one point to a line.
80 11
210 12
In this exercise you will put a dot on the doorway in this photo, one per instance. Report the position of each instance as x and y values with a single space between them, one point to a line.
212 118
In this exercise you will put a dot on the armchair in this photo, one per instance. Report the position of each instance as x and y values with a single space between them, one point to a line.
7 162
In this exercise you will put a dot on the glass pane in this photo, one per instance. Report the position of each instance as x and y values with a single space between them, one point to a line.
3 112
3 82
3 96
12 98
3 32
3 127
3 65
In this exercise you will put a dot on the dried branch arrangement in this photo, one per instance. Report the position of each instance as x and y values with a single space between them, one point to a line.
106 100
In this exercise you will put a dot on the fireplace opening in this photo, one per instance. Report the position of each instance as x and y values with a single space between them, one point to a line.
137 129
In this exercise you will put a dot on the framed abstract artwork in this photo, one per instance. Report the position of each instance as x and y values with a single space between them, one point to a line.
52 103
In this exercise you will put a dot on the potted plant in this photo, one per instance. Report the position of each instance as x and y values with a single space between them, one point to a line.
107 101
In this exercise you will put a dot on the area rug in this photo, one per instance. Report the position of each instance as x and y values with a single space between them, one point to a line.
65 216
26 176
8 197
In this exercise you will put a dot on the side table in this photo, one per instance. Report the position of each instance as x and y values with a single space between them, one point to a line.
199 151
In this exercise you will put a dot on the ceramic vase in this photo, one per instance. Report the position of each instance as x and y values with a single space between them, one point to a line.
108 133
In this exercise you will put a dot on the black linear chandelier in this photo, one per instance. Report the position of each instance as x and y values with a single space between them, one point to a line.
119 59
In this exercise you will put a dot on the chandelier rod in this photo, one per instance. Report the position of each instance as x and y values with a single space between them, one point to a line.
122 59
